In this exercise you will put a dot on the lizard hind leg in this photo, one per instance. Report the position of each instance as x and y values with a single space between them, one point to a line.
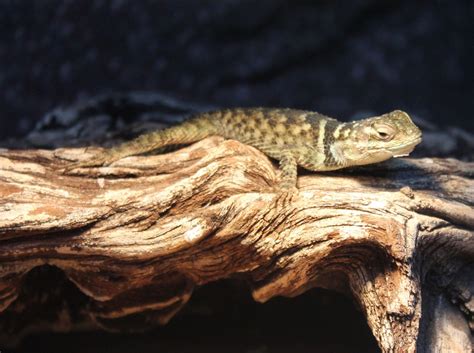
103 158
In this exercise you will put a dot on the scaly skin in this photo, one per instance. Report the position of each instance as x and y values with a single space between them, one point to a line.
293 137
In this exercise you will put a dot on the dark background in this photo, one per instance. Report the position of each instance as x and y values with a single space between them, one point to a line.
341 58
337 57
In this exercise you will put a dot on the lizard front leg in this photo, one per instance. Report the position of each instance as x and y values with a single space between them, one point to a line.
289 171
287 162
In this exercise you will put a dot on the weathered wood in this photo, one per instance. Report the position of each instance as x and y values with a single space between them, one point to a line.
138 236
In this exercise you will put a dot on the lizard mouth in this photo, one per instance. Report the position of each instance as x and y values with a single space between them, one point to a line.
405 149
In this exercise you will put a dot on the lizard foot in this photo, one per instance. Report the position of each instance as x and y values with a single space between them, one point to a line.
286 194
99 160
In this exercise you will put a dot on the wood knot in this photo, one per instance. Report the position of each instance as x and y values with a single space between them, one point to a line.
408 192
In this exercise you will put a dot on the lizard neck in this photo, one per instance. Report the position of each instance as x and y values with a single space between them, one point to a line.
336 133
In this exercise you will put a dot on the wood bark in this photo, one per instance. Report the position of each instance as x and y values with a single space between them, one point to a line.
137 237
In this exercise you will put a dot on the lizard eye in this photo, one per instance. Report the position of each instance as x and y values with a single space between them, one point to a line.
384 132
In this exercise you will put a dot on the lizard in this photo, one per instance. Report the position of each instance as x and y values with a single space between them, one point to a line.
293 137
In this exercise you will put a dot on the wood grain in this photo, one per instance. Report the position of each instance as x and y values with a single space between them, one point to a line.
136 237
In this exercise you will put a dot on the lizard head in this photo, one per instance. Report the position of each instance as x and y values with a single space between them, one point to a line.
379 138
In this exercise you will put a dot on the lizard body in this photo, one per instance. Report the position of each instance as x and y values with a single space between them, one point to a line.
293 137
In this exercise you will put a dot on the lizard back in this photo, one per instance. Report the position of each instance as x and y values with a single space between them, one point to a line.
276 131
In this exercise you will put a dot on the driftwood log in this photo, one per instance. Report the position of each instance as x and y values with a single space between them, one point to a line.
138 236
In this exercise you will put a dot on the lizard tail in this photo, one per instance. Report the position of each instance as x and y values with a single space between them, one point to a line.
195 129
190 131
